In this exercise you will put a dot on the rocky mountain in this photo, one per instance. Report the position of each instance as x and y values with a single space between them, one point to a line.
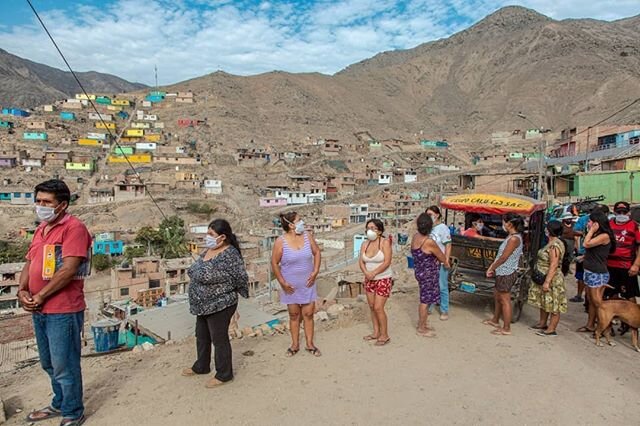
24 83
559 73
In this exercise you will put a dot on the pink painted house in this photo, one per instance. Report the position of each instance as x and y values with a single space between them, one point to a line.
273 202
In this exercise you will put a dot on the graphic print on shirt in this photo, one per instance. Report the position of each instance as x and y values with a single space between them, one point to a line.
52 261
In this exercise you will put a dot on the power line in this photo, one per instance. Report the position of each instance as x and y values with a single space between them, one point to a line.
96 110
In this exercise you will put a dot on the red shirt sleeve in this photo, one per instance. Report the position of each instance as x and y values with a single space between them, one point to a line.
76 242
637 235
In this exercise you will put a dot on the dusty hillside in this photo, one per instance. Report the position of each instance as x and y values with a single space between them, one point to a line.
463 87
27 84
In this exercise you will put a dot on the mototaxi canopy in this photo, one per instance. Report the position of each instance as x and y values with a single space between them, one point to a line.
493 203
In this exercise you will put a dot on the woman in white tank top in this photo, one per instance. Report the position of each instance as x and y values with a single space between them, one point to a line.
375 262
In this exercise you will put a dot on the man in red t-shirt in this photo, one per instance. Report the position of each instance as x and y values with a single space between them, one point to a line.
624 262
51 287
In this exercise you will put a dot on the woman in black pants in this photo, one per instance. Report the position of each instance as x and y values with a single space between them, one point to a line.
217 277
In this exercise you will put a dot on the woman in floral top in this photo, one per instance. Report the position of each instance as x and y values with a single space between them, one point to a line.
217 277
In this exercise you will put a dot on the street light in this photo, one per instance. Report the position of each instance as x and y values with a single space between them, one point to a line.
542 148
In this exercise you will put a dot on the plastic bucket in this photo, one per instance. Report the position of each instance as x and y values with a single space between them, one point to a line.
410 262
105 335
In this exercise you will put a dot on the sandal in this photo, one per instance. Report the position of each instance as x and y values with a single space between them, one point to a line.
500 332
491 323
585 330
214 383
545 334
291 352
73 422
369 337
314 351
45 413
382 342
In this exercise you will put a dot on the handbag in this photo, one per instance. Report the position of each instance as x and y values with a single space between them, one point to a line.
538 277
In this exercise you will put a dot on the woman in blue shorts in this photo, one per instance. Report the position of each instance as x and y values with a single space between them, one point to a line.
598 243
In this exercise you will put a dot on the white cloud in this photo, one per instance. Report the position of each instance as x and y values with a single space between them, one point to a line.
189 38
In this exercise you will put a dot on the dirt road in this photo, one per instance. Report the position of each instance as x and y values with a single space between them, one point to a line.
463 376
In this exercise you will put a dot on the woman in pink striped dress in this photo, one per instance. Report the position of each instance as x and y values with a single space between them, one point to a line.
295 260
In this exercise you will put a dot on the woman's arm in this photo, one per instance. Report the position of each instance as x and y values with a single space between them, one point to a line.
554 257
241 276
512 245
317 259
432 247
363 267
276 257
590 241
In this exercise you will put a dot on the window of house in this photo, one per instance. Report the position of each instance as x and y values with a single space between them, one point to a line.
16 195
173 288
154 283
124 291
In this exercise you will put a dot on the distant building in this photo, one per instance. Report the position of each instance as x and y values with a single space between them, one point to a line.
9 284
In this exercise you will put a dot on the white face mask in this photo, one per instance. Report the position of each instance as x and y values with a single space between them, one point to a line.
211 242
372 235
299 227
46 214
622 218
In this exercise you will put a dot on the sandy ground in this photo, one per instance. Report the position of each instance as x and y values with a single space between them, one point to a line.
463 376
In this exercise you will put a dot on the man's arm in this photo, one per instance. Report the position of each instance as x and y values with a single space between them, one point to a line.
23 289
62 277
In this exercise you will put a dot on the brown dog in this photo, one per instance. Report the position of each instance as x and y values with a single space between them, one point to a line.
626 311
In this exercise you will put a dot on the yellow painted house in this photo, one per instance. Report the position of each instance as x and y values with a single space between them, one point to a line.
135 158
90 142
115 107
153 138
82 96
136 133
101 125
88 167
120 102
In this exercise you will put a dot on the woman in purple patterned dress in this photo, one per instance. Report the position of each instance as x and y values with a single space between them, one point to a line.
295 260
427 258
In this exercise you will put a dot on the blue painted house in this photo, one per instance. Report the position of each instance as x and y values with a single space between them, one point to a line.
110 248
67 116
15 112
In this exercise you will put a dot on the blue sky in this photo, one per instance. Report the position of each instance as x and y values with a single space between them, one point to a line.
189 38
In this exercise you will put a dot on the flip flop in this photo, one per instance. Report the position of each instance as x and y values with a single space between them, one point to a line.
73 422
369 337
500 332
428 333
383 342
491 323
314 351
48 412
291 352
585 330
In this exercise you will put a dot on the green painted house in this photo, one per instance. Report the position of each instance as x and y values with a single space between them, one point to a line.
614 185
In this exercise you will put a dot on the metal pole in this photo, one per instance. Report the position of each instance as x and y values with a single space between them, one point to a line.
586 154
541 151
631 177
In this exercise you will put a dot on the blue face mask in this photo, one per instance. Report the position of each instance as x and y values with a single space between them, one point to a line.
299 227
211 242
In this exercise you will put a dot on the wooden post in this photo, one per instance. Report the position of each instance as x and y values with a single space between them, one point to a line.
169 335
137 331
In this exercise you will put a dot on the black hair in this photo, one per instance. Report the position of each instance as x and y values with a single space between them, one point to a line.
555 230
603 208
436 210
378 223
515 220
425 224
474 217
222 227
287 219
603 223
626 205
57 187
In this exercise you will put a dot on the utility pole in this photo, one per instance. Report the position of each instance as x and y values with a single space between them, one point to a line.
542 148
586 154
155 68
631 177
